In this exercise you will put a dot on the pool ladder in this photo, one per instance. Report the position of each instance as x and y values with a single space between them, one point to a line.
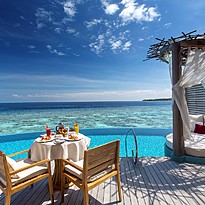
134 156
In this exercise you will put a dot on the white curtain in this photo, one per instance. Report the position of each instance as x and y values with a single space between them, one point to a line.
193 73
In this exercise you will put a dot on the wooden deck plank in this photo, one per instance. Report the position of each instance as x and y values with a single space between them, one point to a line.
157 183
186 182
113 190
135 196
159 198
125 182
93 195
131 188
135 175
106 198
148 189
100 195
183 192
150 181
178 193
163 183
172 185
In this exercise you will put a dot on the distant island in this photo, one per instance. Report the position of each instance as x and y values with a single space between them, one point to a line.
160 99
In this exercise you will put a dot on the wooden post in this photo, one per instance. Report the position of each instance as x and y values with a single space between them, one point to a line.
178 141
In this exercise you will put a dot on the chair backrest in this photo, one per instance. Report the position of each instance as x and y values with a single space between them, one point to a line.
101 158
4 170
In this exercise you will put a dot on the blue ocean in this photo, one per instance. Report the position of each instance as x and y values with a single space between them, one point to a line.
32 117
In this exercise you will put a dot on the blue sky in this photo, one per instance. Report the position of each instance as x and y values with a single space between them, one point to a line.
88 50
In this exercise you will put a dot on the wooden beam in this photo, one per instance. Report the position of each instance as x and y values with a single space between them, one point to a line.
193 43
178 141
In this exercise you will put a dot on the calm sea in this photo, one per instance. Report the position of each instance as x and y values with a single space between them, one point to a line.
30 117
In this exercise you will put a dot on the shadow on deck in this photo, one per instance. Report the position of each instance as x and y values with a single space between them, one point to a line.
152 181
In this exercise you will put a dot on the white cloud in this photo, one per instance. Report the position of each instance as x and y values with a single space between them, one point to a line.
121 43
54 51
134 95
40 25
123 35
16 95
110 9
42 14
42 17
69 8
150 37
22 17
98 45
127 46
135 12
49 47
145 27
116 44
167 25
127 1
58 30
94 22
61 88
31 46
75 54
141 39
71 30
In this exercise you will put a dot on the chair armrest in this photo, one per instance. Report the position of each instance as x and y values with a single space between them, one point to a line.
30 166
21 152
72 164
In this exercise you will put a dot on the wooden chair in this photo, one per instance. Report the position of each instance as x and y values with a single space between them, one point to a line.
99 164
16 175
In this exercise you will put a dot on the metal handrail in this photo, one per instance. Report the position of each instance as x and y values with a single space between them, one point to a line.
136 146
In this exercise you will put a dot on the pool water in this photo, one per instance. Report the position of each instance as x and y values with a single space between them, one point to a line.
152 146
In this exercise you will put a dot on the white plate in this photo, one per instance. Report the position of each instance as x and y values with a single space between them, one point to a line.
59 141
69 139
43 141
59 136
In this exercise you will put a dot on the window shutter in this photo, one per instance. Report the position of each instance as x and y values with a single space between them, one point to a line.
195 97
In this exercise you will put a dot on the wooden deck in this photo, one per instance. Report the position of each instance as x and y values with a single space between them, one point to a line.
151 181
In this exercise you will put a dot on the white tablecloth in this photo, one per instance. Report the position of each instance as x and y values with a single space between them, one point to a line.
73 150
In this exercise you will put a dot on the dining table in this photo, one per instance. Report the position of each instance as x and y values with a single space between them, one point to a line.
58 148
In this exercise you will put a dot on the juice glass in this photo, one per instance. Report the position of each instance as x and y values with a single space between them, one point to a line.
48 132
76 127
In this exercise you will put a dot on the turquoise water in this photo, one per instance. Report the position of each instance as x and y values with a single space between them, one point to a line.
147 145
32 117
152 146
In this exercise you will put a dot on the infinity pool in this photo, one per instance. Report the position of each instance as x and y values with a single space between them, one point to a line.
147 145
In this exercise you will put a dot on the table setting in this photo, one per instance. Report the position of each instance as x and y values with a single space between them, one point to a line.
64 143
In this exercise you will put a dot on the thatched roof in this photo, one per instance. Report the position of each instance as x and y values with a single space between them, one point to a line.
188 40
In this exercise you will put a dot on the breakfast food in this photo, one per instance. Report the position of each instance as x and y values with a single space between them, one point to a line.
44 138
73 137
62 131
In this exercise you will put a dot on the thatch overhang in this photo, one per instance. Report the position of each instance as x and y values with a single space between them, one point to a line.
159 50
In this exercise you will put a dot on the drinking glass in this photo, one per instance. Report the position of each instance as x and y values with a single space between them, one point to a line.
76 127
